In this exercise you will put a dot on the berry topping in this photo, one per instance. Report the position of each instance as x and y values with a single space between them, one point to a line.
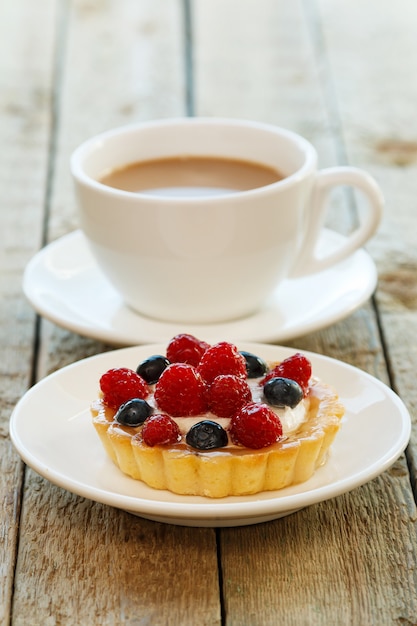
222 358
150 369
121 384
255 365
180 391
159 430
227 394
283 392
296 367
133 412
185 348
206 435
255 426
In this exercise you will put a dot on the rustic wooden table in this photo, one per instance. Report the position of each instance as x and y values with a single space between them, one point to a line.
344 75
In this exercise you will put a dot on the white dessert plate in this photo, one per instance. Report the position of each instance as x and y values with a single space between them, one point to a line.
64 284
51 429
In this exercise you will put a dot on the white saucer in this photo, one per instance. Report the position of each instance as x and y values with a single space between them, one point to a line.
62 445
64 284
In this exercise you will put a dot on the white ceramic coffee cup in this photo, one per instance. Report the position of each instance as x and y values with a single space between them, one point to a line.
211 259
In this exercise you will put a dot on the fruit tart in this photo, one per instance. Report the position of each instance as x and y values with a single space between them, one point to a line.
214 421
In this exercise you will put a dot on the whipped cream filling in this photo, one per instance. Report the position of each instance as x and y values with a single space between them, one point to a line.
291 419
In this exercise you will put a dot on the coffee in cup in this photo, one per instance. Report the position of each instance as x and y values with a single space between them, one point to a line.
198 220
191 176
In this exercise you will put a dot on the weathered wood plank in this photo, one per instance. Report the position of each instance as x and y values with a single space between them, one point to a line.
123 64
85 563
263 67
376 96
26 41
94 564
316 577
335 563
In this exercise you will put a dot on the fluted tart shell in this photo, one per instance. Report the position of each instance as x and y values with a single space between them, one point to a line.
230 471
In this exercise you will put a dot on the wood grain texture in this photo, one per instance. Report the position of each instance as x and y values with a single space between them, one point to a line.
376 88
317 577
120 65
95 565
335 563
25 88
92 564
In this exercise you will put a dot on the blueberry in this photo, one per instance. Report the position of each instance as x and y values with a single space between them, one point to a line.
255 366
150 369
206 435
283 392
133 412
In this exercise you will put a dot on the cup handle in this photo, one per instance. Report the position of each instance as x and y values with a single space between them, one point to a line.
308 262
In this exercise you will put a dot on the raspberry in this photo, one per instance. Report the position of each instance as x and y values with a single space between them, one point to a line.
296 367
121 384
159 430
255 426
227 394
180 391
185 348
222 358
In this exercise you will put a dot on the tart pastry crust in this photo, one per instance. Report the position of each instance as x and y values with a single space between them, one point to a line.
230 471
